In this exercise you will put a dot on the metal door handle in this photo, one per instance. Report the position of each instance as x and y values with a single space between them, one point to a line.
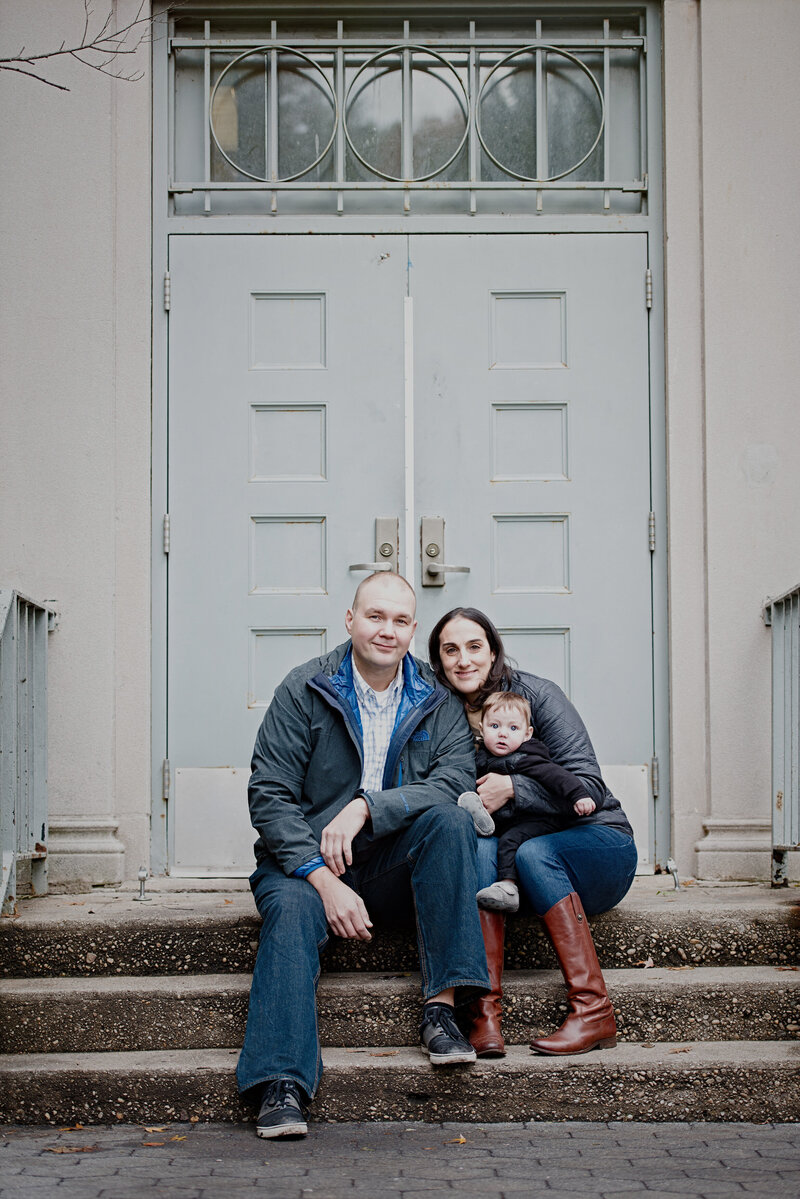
432 552
439 568
386 539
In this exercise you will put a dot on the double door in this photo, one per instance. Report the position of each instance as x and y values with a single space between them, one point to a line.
472 410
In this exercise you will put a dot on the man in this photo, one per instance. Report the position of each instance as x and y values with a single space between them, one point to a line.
357 769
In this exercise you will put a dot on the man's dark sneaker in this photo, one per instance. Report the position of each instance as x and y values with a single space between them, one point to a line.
441 1037
283 1113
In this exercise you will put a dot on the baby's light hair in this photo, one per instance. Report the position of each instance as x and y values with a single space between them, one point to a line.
507 700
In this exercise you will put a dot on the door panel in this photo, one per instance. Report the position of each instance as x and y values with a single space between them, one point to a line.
293 384
532 440
285 363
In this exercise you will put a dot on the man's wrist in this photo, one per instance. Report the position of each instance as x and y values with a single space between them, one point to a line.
321 878
360 797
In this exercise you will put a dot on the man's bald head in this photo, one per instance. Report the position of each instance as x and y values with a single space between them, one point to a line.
387 579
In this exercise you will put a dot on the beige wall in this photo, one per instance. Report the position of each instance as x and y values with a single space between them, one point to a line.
75 478
732 111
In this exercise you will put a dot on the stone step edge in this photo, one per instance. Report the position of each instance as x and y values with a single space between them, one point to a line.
368 983
143 943
209 1011
737 1081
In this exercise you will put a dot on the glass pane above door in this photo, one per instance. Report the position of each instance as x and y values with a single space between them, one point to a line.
469 116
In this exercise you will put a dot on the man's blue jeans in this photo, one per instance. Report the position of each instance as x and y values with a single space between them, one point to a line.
428 869
596 860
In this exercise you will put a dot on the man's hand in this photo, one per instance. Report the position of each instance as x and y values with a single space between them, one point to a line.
337 837
344 909
495 791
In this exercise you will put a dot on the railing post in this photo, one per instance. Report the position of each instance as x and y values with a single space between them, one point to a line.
24 626
782 614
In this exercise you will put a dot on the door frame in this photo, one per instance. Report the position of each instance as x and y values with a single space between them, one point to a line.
650 223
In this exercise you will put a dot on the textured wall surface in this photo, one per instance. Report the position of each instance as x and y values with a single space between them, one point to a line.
74 484
75 477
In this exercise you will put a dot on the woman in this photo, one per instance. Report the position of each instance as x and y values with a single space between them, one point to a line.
586 868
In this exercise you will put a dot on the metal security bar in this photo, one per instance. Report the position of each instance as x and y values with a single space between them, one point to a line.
477 114
782 614
24 626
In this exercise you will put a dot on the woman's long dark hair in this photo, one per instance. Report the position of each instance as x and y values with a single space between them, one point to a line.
499 677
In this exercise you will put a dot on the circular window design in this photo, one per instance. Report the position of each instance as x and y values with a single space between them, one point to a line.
437 104
510 88
246 117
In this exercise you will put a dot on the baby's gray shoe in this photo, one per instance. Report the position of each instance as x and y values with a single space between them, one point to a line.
471 801
500 897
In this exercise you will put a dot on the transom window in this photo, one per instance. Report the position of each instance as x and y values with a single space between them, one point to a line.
339 116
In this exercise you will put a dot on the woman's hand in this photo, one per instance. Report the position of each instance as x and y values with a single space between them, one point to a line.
495 791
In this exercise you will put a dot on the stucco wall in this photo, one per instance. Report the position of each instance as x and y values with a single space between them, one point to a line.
733 360
75 477
74 485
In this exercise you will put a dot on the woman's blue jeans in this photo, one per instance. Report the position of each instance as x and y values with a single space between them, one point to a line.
596 860
427 870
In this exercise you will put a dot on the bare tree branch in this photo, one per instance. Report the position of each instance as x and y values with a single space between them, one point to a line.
108 44
33 75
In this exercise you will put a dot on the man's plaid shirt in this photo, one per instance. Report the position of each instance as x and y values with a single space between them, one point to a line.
378 710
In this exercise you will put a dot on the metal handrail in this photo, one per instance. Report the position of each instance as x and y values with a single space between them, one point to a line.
24 626
782 614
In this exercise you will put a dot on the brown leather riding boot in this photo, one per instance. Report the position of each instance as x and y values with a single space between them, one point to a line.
485 1035
590 1023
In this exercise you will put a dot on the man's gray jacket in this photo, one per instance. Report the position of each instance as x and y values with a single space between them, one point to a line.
308 757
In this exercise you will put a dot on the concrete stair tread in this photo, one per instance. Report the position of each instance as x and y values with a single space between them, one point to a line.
377 982
109 933
667 1081
634 1055
184 1012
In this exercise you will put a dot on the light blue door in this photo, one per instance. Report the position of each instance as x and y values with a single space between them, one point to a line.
317 384
531 411
285 442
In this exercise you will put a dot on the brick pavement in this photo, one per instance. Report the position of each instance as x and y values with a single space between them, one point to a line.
555 1161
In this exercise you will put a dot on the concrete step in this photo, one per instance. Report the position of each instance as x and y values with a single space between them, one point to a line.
738 1081
108 933
730 1003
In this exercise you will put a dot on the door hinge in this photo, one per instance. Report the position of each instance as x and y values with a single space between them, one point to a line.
651 531
654 775
165 779
648 288
166 532
167 291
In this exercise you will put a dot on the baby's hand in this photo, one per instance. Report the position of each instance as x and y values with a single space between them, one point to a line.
583 807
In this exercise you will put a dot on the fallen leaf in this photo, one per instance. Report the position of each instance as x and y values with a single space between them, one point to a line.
194 1119
72 1128
680 967
162 1129
386 1053
72 1149
227 901
682 1050
177 1138
647 1045
647 964
154 1144
787 967
456 1141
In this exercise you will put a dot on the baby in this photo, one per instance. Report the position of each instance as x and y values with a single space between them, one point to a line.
509 747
